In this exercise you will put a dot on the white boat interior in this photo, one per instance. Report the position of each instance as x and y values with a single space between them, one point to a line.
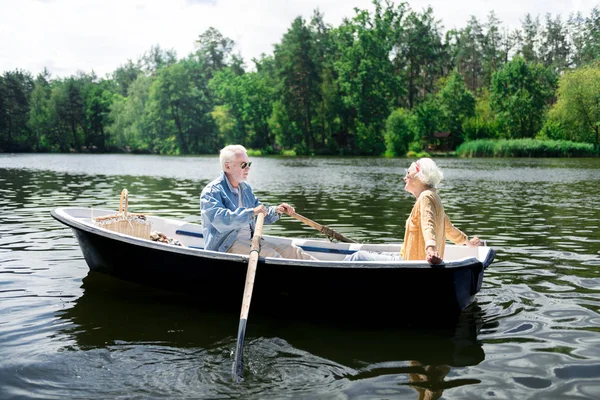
190 236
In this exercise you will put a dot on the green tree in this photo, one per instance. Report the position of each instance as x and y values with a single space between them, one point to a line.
97 101
39 113
494 48
555 48
215 49
529 38
15 93
469 55
457 104
299 81
366 76
155 59
520 95
578 105
180 106
418 54
398 133
125 75
129 128
590 51
427 121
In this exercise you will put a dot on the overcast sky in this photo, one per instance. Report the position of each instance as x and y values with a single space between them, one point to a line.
70 35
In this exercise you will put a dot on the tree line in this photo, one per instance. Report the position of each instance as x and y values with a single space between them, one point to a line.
385 81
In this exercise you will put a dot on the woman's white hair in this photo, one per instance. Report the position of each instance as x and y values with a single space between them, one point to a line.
428 172
228 153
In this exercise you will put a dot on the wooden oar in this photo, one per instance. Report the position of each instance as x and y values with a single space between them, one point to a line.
323 229
238 364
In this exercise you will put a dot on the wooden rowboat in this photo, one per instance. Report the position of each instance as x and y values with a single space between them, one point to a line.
329 286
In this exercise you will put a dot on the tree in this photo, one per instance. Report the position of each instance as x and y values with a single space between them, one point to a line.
180 106
520 94
97 101
529 38
155 59
555 49
299 81
366 76
457 104
398 133
39 113
126 74
15 93
215 49
492 47
418 54
469 58
578 105
591 47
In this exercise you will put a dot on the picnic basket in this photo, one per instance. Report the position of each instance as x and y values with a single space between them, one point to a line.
131 224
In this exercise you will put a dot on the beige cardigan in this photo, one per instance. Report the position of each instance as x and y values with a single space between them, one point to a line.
428 225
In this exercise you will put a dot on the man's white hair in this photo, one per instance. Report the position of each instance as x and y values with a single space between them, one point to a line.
228 153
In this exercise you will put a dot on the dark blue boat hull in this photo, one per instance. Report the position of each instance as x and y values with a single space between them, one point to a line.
330 291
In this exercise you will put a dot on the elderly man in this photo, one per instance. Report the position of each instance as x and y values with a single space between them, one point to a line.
229 206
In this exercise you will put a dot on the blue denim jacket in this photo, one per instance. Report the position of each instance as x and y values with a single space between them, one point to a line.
222 219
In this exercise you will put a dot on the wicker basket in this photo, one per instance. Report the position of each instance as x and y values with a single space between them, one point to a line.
126 223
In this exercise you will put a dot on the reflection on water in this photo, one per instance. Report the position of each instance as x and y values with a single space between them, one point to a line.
534 332
124 317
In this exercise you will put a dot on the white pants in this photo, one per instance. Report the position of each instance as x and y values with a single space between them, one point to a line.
270 249
363 255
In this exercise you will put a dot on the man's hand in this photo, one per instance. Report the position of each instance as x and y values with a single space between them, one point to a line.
285 208
260 210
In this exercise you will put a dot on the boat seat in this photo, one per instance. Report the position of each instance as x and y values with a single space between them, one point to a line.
312 249
315 249
189 233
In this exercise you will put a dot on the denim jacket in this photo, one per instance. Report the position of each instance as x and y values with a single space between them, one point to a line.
222 219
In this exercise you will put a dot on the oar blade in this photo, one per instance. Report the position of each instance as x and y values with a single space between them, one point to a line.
237 372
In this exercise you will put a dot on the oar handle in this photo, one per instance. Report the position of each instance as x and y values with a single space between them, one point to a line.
252 262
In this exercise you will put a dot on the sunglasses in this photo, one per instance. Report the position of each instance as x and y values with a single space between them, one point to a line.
244 164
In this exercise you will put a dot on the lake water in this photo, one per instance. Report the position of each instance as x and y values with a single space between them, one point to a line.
534 332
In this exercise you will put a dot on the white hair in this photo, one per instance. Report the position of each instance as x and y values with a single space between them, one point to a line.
228 153
428 172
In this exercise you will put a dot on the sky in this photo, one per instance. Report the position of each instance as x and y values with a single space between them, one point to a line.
66 36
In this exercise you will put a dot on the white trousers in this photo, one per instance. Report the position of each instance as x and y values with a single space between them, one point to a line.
270 249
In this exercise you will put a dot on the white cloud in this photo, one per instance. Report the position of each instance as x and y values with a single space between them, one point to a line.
70 35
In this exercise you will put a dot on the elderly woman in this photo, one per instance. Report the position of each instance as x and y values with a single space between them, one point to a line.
428 226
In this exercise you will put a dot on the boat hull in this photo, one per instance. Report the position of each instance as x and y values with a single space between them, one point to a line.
303 290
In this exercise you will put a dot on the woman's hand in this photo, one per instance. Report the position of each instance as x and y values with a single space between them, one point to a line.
432 255
474 242
285 208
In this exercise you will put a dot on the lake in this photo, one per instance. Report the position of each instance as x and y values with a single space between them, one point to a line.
533 333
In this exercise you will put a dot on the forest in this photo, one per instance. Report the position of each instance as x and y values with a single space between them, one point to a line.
391 81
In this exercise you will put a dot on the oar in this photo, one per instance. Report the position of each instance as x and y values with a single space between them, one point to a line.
323 229
238 364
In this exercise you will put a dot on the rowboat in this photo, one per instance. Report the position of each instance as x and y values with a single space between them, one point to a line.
328 286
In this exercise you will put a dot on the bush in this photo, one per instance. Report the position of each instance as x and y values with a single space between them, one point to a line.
254 153
525 148
398 133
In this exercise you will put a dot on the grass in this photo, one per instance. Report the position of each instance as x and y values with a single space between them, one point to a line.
525 148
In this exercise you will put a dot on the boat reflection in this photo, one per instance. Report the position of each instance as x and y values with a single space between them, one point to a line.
113 312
